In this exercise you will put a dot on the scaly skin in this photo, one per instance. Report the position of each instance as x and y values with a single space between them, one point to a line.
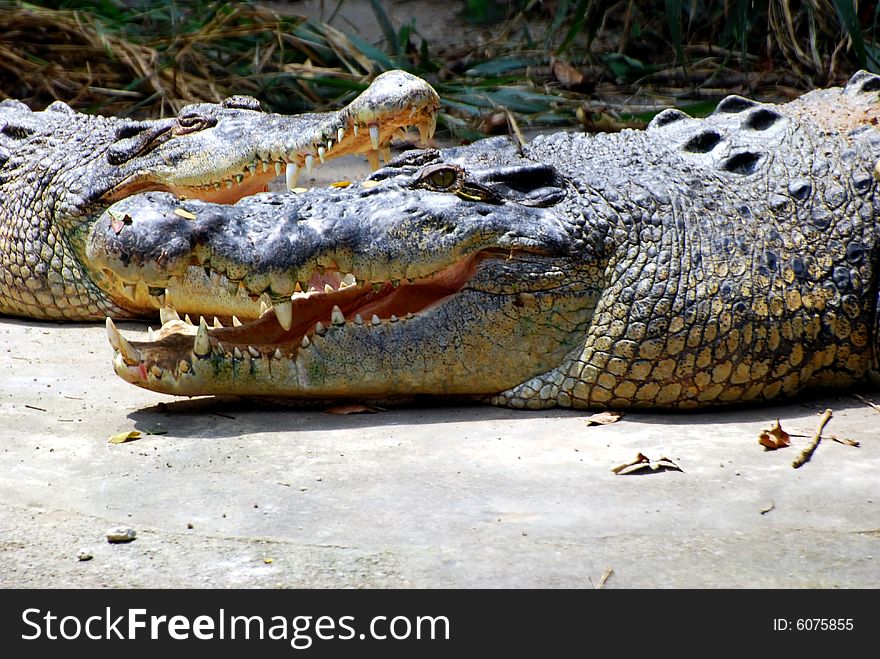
60 170
699 262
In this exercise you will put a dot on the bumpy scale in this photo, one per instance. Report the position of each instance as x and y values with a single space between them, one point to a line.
698 262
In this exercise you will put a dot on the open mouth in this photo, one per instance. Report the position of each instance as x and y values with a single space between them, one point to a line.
333 301
357 134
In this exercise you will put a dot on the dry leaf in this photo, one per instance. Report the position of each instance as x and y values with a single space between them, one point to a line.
603 418
352 408
571 77
643 462
122 437
774 438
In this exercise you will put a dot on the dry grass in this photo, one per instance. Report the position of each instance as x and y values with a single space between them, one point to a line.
69 55
615 68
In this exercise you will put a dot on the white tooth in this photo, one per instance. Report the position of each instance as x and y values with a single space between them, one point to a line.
217 322
252 168
297 288
167 314
319 328
201 345
278 354
321 152
424 133
228 183
151 336
237 353
342 285
355 130
162 299
393 318
374 136
277 168
264 307
310 163
265 166
340 133
254 352
292 175
328 288
349 280
312 289
432 125
129 354
284 314
112 333
305 342
183 366
375 320
239 178
336 316
329 145
386 153
156 371
236 322
373 159
358 320
186 319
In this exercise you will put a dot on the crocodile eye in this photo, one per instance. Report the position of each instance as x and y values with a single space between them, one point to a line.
191 123
443 178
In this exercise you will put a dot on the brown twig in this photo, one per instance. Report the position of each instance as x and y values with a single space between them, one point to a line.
807 453
604 578
868 402
844 440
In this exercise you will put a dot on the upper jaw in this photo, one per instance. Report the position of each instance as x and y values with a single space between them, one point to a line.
246 149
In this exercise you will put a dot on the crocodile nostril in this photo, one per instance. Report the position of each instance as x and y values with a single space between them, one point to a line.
743 163
702 143
733 104
762 119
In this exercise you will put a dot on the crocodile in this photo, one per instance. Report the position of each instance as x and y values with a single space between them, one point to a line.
698 262
60 170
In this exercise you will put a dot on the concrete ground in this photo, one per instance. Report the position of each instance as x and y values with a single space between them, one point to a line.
227 495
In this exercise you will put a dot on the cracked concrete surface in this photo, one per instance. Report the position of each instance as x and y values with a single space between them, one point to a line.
444 497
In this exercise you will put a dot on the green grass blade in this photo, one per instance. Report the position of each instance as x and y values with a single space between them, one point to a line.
498 66
847 14
577 25
673 20
385 25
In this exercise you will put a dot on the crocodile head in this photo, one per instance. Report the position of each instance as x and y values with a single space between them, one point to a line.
698 262
443 273
59 170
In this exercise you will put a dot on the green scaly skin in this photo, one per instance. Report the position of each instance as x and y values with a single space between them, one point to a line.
60 170
699 262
